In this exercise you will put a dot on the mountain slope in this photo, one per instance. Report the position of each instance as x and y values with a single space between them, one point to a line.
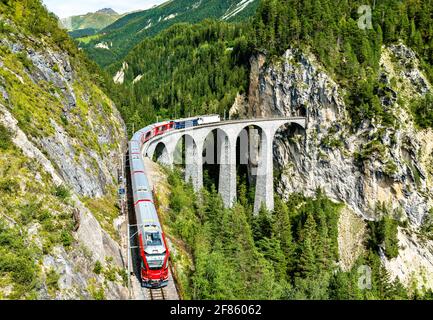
120 37
61 141
186 69
92 20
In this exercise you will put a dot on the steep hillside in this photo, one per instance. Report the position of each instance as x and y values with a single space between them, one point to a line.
120 37
62 143
186 69
93 20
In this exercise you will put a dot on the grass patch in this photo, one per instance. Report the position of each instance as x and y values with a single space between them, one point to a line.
422 111
105 210
52 281
95 291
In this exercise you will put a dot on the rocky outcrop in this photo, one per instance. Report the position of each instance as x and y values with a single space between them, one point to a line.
60 120
93 243
119 78
414 264
374 165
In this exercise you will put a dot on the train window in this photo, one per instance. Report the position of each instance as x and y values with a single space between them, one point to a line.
153 239
143 189
148 135
155 261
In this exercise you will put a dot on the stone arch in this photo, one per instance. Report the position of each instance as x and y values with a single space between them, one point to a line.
290 134
251 160
187 153
292 127
181 143
161 154
288 144
215 153
249 145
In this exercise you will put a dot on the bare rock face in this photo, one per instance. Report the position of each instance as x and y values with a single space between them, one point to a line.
374 165
327 155
414 264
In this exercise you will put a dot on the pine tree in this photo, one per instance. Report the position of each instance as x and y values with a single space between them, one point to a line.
307 258
282 229
262 224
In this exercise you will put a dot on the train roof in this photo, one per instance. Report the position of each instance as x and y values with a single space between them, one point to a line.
141 183
147 215
163 123
209 115
186 119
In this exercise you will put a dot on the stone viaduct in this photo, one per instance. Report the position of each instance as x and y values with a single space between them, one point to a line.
227 133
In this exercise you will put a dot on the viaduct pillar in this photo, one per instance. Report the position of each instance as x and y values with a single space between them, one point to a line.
194 162
227 176
265 173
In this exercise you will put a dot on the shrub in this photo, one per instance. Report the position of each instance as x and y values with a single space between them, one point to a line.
5 138
95 293
110 274
124 275
98 294
98 267
4 28
62 192
427 226
66 238
27 63
9 185
56 68
422 111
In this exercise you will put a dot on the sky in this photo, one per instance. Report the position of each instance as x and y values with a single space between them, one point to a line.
67 8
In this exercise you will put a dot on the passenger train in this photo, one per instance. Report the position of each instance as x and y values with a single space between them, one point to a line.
153 249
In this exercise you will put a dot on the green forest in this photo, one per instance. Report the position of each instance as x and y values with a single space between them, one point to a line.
187 70
215 55
330 29
290 253
131 30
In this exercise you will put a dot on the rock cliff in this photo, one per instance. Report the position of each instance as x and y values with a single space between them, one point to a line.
367 168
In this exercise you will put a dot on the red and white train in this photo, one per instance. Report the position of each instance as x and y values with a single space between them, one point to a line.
153 249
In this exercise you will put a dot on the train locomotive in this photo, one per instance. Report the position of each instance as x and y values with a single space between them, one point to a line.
153 250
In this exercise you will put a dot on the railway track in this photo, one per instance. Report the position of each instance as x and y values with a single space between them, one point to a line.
157 294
